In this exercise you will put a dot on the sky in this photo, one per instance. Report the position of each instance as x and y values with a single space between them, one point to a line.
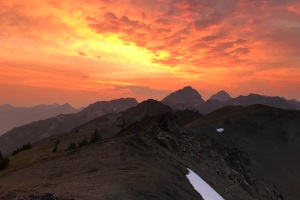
57 51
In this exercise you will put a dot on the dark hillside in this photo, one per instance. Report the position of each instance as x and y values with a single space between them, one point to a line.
270 137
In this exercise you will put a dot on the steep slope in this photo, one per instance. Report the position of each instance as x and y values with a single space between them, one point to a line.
221 96
187 116
110 124
185 98
148 160
211 105
39 130
270 137
147 108
11 117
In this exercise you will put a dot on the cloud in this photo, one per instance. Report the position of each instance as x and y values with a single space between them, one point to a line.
82 53
143 91
169 41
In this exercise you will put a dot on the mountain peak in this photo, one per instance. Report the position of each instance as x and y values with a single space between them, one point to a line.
221 96
148 107
185 98
188 88
151 105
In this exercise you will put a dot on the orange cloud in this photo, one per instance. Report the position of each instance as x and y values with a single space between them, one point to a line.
155 46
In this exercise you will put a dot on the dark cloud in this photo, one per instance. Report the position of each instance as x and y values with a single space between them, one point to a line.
209 38
163 21
242 51
223 46
212 19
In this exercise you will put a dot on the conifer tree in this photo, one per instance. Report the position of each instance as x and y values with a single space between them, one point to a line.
3 161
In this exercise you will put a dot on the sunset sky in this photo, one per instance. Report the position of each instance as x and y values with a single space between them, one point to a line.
57 51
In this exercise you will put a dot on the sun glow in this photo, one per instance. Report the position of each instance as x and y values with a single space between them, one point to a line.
100 45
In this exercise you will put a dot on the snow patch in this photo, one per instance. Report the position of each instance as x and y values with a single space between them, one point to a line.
220 130
207 192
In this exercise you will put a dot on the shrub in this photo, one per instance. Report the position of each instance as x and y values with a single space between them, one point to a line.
22 148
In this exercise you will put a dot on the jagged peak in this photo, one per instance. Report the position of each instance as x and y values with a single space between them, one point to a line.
221 96
187 90
152 103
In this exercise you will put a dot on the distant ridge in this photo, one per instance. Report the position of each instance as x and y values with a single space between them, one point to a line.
11 117
42 129
277 102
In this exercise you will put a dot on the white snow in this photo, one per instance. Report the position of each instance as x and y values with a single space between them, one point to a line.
220 130
207 192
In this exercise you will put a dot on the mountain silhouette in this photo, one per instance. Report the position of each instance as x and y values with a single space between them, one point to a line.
42 129
11 117
149 160
189 98
121 149
110 124
221 96
185 98
251 99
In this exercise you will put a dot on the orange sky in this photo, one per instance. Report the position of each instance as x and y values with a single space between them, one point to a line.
56 51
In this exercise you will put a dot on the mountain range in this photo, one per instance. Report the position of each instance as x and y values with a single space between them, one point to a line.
246 147
189 98
11 117
39 130
185 98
